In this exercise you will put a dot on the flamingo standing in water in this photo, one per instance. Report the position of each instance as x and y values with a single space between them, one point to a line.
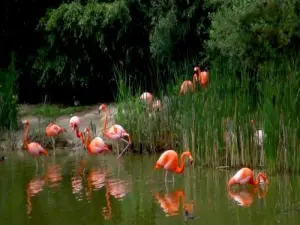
96 146
202 76
169 162
33 148
246 176
74 125
52 130
116 132
188 85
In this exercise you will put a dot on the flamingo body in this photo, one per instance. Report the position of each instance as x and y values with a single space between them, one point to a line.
53 130
202 76
96 146
116 132
146 97
36 149
186 86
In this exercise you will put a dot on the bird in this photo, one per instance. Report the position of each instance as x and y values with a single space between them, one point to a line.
52 130
188 85
74 122
146 97
33 148
169 162
246 176
202 76
97 145
116 132
3 158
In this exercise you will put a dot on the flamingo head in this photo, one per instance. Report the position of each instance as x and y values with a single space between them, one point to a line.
86 130
196 68
189 155
25 122
102 106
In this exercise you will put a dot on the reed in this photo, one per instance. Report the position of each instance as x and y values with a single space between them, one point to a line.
214 123
8 97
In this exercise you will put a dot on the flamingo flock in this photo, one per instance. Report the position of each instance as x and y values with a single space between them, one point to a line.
169 160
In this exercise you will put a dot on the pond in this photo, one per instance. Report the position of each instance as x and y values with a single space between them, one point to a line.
76 188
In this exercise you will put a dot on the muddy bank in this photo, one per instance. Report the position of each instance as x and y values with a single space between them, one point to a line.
14 140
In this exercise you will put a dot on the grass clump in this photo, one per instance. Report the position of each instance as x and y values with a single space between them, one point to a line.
215 122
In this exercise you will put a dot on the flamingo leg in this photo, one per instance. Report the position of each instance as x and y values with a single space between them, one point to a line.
166 176
173 179
123 151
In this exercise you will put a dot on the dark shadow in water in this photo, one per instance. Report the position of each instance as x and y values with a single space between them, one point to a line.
244 195
170 202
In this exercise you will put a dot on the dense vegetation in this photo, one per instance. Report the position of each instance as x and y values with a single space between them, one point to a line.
105 50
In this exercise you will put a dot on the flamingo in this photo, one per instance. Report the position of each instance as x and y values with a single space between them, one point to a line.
33 148
52 130
246 176
74 125
97 145
147 98
202 76
116 132
169 162
188 85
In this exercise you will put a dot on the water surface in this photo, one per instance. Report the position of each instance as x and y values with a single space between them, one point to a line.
80 189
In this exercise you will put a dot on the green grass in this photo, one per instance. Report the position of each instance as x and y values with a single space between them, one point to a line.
51 110
196 121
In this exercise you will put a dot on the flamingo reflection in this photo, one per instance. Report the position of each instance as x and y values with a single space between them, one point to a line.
76 180
117 188
170 202
244 197
96 180
34 187
54 175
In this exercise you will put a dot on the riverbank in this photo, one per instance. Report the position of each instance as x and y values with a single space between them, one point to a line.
39 117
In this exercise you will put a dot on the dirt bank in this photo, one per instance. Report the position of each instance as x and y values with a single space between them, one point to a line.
37 127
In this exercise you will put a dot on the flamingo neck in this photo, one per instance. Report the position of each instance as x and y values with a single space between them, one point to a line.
87 141
260 175
180 168
105 121
26 136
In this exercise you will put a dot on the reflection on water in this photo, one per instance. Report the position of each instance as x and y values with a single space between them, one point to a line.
169 202
90 190
34 187
244 196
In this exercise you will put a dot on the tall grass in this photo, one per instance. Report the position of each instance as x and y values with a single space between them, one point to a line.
214 123
8 97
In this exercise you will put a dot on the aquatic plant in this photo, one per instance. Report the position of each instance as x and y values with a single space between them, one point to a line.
214 123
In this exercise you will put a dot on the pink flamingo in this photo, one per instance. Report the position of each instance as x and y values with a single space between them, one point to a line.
147 98
97 145
74 125
169 162
202 76
33 148
188 85
116 132
52 130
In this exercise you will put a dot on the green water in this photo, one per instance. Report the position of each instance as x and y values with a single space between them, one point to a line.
79 189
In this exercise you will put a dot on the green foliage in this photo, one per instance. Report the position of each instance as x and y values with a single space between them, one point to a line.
8 96
251 33
214 123
76 34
